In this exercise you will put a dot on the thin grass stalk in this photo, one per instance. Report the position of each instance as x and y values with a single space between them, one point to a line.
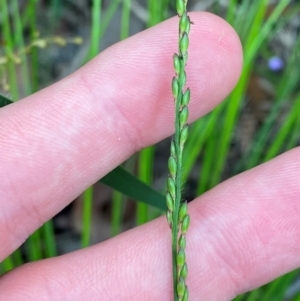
177 215
145 173
26 12
281 141
164 9
34 241
289 82
33 246
19 43
105 21
239 298
34 52
93 51
233 106
109 13
158 11
17 257
7 264
208 160
13 261
49 239
55 11
232 7
277 288
297 297
256 37
87 217
240 23
206 137
264 30
294 139
95 28
256 25
254 295
155 12
9 46
125 21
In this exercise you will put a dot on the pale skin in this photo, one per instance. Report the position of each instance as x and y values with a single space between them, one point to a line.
57 142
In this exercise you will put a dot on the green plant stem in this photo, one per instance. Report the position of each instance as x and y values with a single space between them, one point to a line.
19 42
7 36
33 246
49 238
96 28
94 50
231 11
87 217
177 216
174 256
145 173
34 52
7 264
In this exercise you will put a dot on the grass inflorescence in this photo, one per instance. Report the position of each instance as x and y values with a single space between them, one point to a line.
177 215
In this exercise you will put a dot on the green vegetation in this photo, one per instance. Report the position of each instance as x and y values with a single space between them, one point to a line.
215 141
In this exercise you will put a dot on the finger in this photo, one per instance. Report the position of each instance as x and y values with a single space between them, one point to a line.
243 233
56 143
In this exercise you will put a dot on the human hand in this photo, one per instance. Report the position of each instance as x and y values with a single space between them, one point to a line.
57 142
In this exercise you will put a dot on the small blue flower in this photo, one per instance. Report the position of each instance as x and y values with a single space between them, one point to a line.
275 63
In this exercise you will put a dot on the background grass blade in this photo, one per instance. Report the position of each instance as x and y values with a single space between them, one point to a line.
4 101
121 180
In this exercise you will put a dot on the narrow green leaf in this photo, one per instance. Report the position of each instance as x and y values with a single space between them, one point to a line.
4 101
121 180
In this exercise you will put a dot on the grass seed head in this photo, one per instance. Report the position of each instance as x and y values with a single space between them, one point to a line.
184 43
183 135
185 224
184 271
175 87
182 241
181 7
171 187
181 288
183 116
186 97
182 79
170 202
180 259
184 23
176 63
169 218
182 211
186 295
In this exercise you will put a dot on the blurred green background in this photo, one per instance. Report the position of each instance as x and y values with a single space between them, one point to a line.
43 41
